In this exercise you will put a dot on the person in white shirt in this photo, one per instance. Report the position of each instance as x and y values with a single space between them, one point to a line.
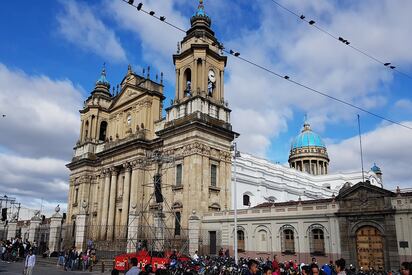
134 270
195 256
29 263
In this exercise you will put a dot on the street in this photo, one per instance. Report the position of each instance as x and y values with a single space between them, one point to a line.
40 268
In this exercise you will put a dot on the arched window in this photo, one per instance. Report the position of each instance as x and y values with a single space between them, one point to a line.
317 241
177 223
288 239
240 241
246 200
187 82
103 129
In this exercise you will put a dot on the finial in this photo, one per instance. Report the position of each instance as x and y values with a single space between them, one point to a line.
161 78
306 125
148 72
157 77
143 72
117 91
129 69
200 9
178 47
104 69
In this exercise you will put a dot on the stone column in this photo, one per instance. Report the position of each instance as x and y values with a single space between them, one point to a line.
112 204
194 233
310 167
132 230
126 198
55 230
105 206
134 183
12 229
34 225
81 227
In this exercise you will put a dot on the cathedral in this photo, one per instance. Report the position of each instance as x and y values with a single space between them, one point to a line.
129 160
136 175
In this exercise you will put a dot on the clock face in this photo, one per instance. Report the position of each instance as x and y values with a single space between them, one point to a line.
212 76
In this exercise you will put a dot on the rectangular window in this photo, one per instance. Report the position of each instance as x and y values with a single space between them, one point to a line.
213 175
177 224
76 195
179 174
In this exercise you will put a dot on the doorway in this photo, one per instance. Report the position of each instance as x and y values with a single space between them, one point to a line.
369 247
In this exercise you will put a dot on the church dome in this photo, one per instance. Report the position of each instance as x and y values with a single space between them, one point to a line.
102 84
307 138
308 153
102 79
376 169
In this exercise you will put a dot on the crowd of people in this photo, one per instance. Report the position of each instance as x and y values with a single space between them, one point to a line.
16 249
73 259
224 265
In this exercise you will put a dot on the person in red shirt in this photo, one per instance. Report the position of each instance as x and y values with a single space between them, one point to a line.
275 266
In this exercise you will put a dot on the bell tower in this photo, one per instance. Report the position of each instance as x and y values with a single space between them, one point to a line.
197 129
198 62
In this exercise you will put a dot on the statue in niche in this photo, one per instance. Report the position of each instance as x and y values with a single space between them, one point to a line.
188 90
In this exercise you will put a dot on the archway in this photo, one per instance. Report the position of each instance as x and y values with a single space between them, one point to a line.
103 128
369 248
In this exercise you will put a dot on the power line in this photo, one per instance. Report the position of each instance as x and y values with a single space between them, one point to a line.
346 42
284 77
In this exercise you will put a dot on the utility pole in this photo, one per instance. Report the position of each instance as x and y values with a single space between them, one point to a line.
235 156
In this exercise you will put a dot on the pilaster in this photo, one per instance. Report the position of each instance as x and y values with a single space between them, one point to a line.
194 233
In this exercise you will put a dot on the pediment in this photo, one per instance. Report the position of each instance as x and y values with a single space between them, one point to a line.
126 96
361 190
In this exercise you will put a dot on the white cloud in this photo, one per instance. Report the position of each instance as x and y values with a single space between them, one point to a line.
158 41
80 26
289 47
389 146
37 135
41 114
404 105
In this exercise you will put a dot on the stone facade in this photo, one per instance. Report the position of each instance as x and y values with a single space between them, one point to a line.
365 224
126 147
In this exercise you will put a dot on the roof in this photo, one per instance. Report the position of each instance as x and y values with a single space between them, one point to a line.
307 138
290 203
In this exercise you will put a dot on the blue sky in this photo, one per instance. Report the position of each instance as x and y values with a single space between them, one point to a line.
52 52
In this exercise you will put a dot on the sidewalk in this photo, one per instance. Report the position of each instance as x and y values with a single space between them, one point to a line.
97 269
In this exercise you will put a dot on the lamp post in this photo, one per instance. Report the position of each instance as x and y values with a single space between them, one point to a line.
235 156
